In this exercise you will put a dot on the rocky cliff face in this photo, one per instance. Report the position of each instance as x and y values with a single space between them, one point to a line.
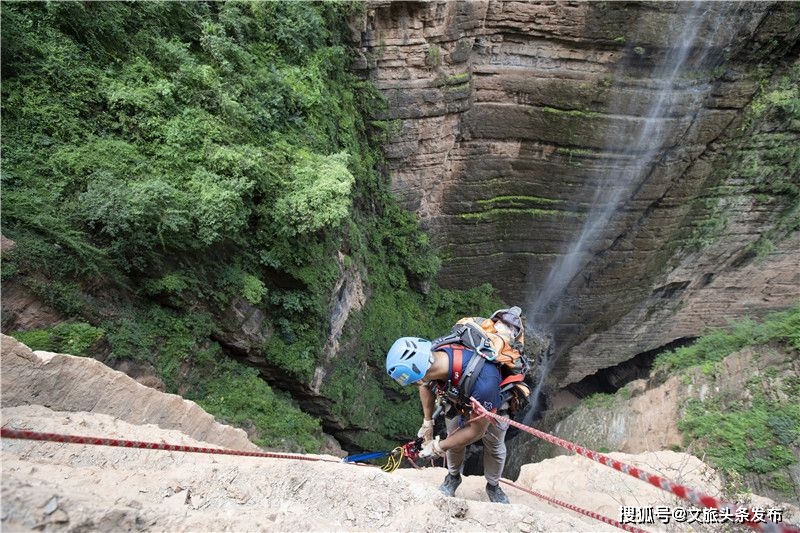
511 122
53 486
67 383
646 416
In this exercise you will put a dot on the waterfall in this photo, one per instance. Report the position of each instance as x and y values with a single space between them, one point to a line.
678 82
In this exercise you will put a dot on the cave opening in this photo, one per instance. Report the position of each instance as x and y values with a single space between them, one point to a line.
609 380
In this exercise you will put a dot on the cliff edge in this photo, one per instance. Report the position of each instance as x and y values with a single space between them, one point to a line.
49 486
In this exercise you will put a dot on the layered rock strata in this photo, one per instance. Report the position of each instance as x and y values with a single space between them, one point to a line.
511 121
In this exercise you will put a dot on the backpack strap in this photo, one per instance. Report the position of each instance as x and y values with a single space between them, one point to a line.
458 365
455 363
462 380
513 378
470 376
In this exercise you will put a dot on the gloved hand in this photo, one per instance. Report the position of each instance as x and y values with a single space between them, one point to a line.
431 450
426 431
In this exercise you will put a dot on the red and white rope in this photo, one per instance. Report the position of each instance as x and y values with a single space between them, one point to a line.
8 433
749 518
592 514
658 481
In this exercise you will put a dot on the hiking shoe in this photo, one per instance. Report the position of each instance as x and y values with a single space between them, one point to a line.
496 494
451 483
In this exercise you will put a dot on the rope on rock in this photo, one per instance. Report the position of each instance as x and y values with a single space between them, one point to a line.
591 514
399 453
8 433
408 451
742 514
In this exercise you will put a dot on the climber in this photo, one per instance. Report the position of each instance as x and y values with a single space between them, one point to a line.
410 360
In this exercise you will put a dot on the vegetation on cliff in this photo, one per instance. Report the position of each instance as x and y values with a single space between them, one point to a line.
163 161
781 327
761 169
752 436
747 427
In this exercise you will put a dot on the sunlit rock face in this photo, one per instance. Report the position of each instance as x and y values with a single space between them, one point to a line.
566 151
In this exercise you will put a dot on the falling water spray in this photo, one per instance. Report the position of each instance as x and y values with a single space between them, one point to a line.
545 307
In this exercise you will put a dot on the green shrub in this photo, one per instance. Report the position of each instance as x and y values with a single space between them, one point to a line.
74 338
253 289
297 356
166 339
716 344
782 482
317 194
785 427
752 439
36 339
142 214
173 283
238 396
598 400
434 56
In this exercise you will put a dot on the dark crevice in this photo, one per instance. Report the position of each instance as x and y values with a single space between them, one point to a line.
610 380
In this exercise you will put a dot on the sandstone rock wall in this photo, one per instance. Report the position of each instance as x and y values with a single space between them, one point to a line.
77 384
49 486
646 417
508 117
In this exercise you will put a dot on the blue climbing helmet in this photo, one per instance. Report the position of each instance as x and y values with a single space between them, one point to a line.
408 359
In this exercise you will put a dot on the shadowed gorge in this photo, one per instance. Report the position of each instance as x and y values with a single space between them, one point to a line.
246 203
593 160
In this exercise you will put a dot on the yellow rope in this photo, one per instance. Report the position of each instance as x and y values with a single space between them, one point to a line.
394 460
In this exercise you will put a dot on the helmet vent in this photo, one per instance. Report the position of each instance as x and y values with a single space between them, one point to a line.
408 359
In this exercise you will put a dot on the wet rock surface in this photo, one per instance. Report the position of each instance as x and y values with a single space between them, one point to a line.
506 116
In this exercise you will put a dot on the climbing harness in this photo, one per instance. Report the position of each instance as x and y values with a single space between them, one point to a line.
453 396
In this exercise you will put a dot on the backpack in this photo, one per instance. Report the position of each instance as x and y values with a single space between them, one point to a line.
499 339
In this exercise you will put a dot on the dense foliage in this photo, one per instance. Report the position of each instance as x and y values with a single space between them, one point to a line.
751 435
165 160
757 439
756 434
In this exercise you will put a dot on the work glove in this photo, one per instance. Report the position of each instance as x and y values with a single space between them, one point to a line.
432 450
426 431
